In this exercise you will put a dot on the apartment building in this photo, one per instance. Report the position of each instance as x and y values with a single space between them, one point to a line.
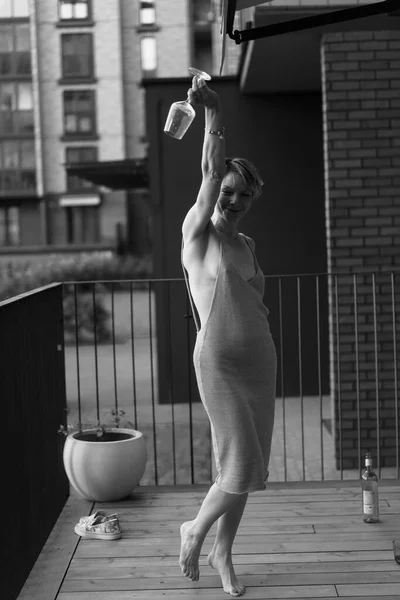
71 93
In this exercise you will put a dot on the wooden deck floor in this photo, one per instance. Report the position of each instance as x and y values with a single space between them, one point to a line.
296 540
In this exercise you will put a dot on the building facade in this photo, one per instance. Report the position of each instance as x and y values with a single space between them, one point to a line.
70 93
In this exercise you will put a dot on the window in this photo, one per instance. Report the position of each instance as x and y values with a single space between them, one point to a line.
74 9
79 113
148 52
15 53
14 8
22 49
147 12
78 155
17 166
82 224
6 49
9 226
16 108
77 55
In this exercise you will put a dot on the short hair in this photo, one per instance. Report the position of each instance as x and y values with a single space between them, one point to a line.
248 173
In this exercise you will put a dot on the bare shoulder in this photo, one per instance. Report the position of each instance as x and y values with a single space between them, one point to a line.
250 241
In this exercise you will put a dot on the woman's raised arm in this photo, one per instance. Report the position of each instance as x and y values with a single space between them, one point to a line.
212 161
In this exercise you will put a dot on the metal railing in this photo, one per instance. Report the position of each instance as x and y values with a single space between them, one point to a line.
337 340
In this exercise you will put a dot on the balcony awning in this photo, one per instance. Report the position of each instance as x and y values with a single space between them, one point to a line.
123 174
229 7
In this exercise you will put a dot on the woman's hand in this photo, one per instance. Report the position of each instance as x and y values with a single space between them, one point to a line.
201 94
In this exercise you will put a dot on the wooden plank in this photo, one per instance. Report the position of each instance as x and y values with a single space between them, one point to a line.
256 594
208 578
122 547
259 593
329 528
270 503
267 498
59 548
260 539
115 568
289 510
183 501
263 558
369 589
186 500
276 506
264 520
294 486
149 528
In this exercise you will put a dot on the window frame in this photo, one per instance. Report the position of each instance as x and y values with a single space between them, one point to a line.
76 77
14 54
15 113
71 20
143 8
5 209
68 135
19 171
12 15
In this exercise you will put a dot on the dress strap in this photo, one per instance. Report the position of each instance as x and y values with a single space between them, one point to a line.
194 310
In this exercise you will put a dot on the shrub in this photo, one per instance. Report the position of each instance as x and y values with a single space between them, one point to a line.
19 277
84 317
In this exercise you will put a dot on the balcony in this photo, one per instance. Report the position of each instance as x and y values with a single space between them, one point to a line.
337 340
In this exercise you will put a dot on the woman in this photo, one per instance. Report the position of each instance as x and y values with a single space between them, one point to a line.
234 356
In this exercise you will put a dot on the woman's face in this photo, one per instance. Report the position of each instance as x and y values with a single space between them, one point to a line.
235 198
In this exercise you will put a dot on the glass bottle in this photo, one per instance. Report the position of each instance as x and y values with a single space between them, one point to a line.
370 498
181 114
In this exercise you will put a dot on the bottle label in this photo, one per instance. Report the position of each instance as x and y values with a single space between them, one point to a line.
369 502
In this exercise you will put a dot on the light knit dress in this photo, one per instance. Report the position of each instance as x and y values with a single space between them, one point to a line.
235 364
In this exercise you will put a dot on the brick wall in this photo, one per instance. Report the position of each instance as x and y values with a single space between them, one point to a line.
361 104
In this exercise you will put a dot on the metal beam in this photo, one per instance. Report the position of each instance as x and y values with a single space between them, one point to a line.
337 16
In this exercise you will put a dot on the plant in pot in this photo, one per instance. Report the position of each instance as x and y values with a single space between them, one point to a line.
104 463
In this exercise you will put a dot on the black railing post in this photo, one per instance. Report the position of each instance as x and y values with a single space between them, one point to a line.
152 383
96 361
116 416
356 341
300 360
133 356
395 372
339 383
282 349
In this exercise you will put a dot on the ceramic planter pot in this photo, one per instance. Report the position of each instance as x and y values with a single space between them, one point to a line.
107 468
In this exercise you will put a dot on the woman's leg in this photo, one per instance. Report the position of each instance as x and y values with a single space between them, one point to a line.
220 556
193 533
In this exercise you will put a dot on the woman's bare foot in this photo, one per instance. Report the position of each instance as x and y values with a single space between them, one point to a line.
224 566
190 551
